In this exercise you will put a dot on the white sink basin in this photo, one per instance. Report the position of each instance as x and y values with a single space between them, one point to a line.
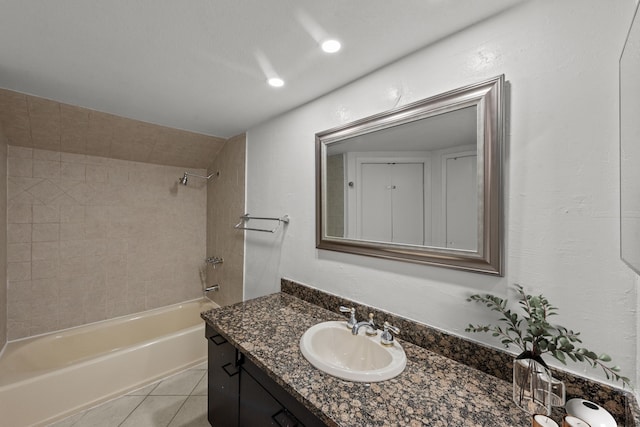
332 348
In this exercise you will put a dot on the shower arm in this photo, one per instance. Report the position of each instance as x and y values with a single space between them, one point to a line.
200 176
185 177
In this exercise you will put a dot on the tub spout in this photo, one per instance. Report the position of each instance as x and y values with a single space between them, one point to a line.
214 288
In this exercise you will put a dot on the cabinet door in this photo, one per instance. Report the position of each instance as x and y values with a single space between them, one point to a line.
263 402
259 408
223 381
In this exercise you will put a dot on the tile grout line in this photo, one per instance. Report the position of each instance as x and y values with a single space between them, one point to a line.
187 397
141 402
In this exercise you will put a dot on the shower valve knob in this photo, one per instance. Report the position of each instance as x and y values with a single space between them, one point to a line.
214 260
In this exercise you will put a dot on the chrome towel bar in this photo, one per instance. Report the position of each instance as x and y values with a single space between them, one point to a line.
246 217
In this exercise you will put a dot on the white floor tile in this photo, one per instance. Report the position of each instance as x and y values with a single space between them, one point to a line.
179 384
144 391
155 411
110 414
202 387
180 400
192 414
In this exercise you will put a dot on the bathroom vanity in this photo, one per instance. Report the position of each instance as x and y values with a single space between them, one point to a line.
258 376
242 394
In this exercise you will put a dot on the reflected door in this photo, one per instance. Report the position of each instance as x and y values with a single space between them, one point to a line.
392 202
461 202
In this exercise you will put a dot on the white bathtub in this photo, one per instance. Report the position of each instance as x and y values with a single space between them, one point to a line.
46 378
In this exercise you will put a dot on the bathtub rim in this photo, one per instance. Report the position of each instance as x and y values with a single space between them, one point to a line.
97 322
186 357
26 379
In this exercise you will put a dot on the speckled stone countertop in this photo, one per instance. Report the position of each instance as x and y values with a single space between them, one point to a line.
433 390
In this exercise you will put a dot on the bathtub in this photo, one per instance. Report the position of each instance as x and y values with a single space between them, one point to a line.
49 377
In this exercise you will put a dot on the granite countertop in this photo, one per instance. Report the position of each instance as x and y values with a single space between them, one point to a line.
432 390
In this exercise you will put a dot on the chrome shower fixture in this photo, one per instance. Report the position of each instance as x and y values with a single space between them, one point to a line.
185 178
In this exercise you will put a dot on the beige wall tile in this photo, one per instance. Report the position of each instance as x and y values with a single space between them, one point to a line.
3 235
46 169
19 152
46 214
75 245
17 271
14 118
23 198
45 121
73 171
20 311
46 289
19 214
72 267
18 233
44 269
99 235
73 248
18 166
71 214
73 158
19 252
16 186
225 203
45 250
49 155
74 126
96 173
71 231
46 233
45 191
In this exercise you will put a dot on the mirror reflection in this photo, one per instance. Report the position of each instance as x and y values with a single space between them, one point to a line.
420 183
412 184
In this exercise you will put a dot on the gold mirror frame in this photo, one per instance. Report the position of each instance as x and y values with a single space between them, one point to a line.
488 97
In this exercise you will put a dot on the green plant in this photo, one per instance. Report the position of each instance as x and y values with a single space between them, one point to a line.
534 335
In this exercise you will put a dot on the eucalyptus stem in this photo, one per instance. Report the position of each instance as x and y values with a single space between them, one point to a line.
533 332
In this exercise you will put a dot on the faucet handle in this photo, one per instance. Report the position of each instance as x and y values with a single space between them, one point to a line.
372 329
352 320
387 338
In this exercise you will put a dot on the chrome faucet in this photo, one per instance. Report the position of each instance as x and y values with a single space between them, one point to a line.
214 288
352 318
370 326
387 338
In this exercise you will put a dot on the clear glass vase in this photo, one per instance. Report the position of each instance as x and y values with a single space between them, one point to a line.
532 382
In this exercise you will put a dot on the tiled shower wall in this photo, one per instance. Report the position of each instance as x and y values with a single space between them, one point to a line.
225 204
3 238
91 238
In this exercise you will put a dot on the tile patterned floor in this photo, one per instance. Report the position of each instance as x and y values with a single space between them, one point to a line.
176 401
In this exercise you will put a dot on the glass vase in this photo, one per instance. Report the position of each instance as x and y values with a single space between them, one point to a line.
532 382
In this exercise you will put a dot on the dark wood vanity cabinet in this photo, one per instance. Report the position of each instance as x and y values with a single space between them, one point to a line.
241 394
223 381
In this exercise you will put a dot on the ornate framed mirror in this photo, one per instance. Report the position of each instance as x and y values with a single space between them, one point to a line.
420 183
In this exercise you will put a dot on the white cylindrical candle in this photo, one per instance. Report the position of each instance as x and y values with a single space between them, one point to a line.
570 421
543 421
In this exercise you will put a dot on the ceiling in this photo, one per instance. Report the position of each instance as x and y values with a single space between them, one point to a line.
202 65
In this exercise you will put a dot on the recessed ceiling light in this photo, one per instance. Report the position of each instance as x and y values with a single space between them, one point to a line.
275 82
331 46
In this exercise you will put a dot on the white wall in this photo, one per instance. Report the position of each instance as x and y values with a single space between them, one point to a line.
561 181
